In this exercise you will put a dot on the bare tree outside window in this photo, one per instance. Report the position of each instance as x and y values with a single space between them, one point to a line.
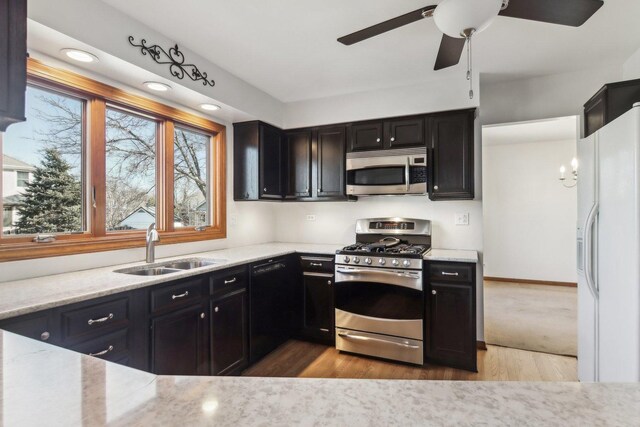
191 169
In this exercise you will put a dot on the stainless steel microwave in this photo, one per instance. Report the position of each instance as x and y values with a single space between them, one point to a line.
401 171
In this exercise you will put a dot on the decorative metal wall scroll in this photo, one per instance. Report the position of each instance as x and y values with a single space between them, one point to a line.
175 59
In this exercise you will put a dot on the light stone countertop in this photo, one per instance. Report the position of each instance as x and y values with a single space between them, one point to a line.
30 295
46 385
452 255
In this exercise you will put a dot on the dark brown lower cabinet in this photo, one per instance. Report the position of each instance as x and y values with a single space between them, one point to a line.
180 342
451 317
229 333
318 312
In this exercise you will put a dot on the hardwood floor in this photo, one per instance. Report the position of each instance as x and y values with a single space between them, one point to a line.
309 360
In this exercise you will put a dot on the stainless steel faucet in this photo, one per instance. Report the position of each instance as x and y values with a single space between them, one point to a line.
152 238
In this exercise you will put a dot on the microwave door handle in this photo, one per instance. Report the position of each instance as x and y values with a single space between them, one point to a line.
407 174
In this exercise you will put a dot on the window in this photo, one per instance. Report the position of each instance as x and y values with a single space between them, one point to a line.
22 179
131 172
190 177
50 146
95 166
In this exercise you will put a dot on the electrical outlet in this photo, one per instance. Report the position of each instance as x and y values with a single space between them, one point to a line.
311 217
462 218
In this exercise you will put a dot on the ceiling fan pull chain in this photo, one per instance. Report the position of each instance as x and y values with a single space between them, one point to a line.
470 66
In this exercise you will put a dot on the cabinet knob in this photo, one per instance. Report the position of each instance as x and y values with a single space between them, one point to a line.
435 187
265 189
392 139
45 336
433 292
328 282
216 309
378 140
202 315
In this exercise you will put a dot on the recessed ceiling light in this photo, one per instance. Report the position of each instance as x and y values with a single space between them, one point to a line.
80 55
157 86
210 107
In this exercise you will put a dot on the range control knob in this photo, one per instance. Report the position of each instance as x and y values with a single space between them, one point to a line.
406 263
346 259
395 262
367 261
382 261
356 260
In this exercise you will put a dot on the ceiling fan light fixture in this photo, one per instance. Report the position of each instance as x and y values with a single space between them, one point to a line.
455 17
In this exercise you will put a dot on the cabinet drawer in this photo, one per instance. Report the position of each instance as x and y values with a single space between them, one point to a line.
176 295
451 272
317 263
228 280
109 347
94 319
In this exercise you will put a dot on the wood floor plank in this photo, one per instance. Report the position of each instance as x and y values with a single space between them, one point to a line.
303 359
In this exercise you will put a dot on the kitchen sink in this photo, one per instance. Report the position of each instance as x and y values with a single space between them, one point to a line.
148 271
188 264
170 267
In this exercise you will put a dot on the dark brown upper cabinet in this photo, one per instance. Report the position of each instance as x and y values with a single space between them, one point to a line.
298 148
609 103
330 161
403 133
451 144
13 63
258 161
366 136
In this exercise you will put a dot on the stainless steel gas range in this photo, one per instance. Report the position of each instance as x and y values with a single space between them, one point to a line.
379 289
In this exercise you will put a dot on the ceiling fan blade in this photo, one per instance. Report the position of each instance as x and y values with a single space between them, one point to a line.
566 12
385 26
450 52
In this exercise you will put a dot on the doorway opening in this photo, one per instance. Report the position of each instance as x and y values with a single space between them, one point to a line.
530 293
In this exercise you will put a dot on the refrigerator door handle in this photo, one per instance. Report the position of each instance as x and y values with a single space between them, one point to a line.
588 250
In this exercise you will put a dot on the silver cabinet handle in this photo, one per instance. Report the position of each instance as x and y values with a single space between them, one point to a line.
103 352
45 336
216 309
226 282
392 139
363 338
315 264
324 329
328 282
265 189
378 140
202 315
100 320
433 292
445 273
185 294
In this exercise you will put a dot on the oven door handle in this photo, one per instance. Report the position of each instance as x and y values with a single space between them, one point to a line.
363 338
388 273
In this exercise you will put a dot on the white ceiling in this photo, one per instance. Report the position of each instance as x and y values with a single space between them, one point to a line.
560 129
288 48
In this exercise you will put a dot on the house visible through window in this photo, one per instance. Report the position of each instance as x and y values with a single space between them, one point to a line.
191 168
46 151
23 179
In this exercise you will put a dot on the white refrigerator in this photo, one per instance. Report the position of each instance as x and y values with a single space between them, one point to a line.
608 242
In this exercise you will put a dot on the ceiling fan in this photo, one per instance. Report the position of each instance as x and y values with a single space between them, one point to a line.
459 20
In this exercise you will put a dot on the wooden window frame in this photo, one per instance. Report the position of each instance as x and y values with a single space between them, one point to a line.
96 238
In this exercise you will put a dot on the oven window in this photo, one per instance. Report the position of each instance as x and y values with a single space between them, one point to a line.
379 300
393 175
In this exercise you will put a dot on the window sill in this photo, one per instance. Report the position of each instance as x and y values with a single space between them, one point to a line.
16 251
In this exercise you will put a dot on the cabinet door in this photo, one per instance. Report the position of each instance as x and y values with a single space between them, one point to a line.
318 308
404 133
13 67
331 161
451 139
451 332
37 326
365 136
229 333
246 153
271 162
179 342
298 147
